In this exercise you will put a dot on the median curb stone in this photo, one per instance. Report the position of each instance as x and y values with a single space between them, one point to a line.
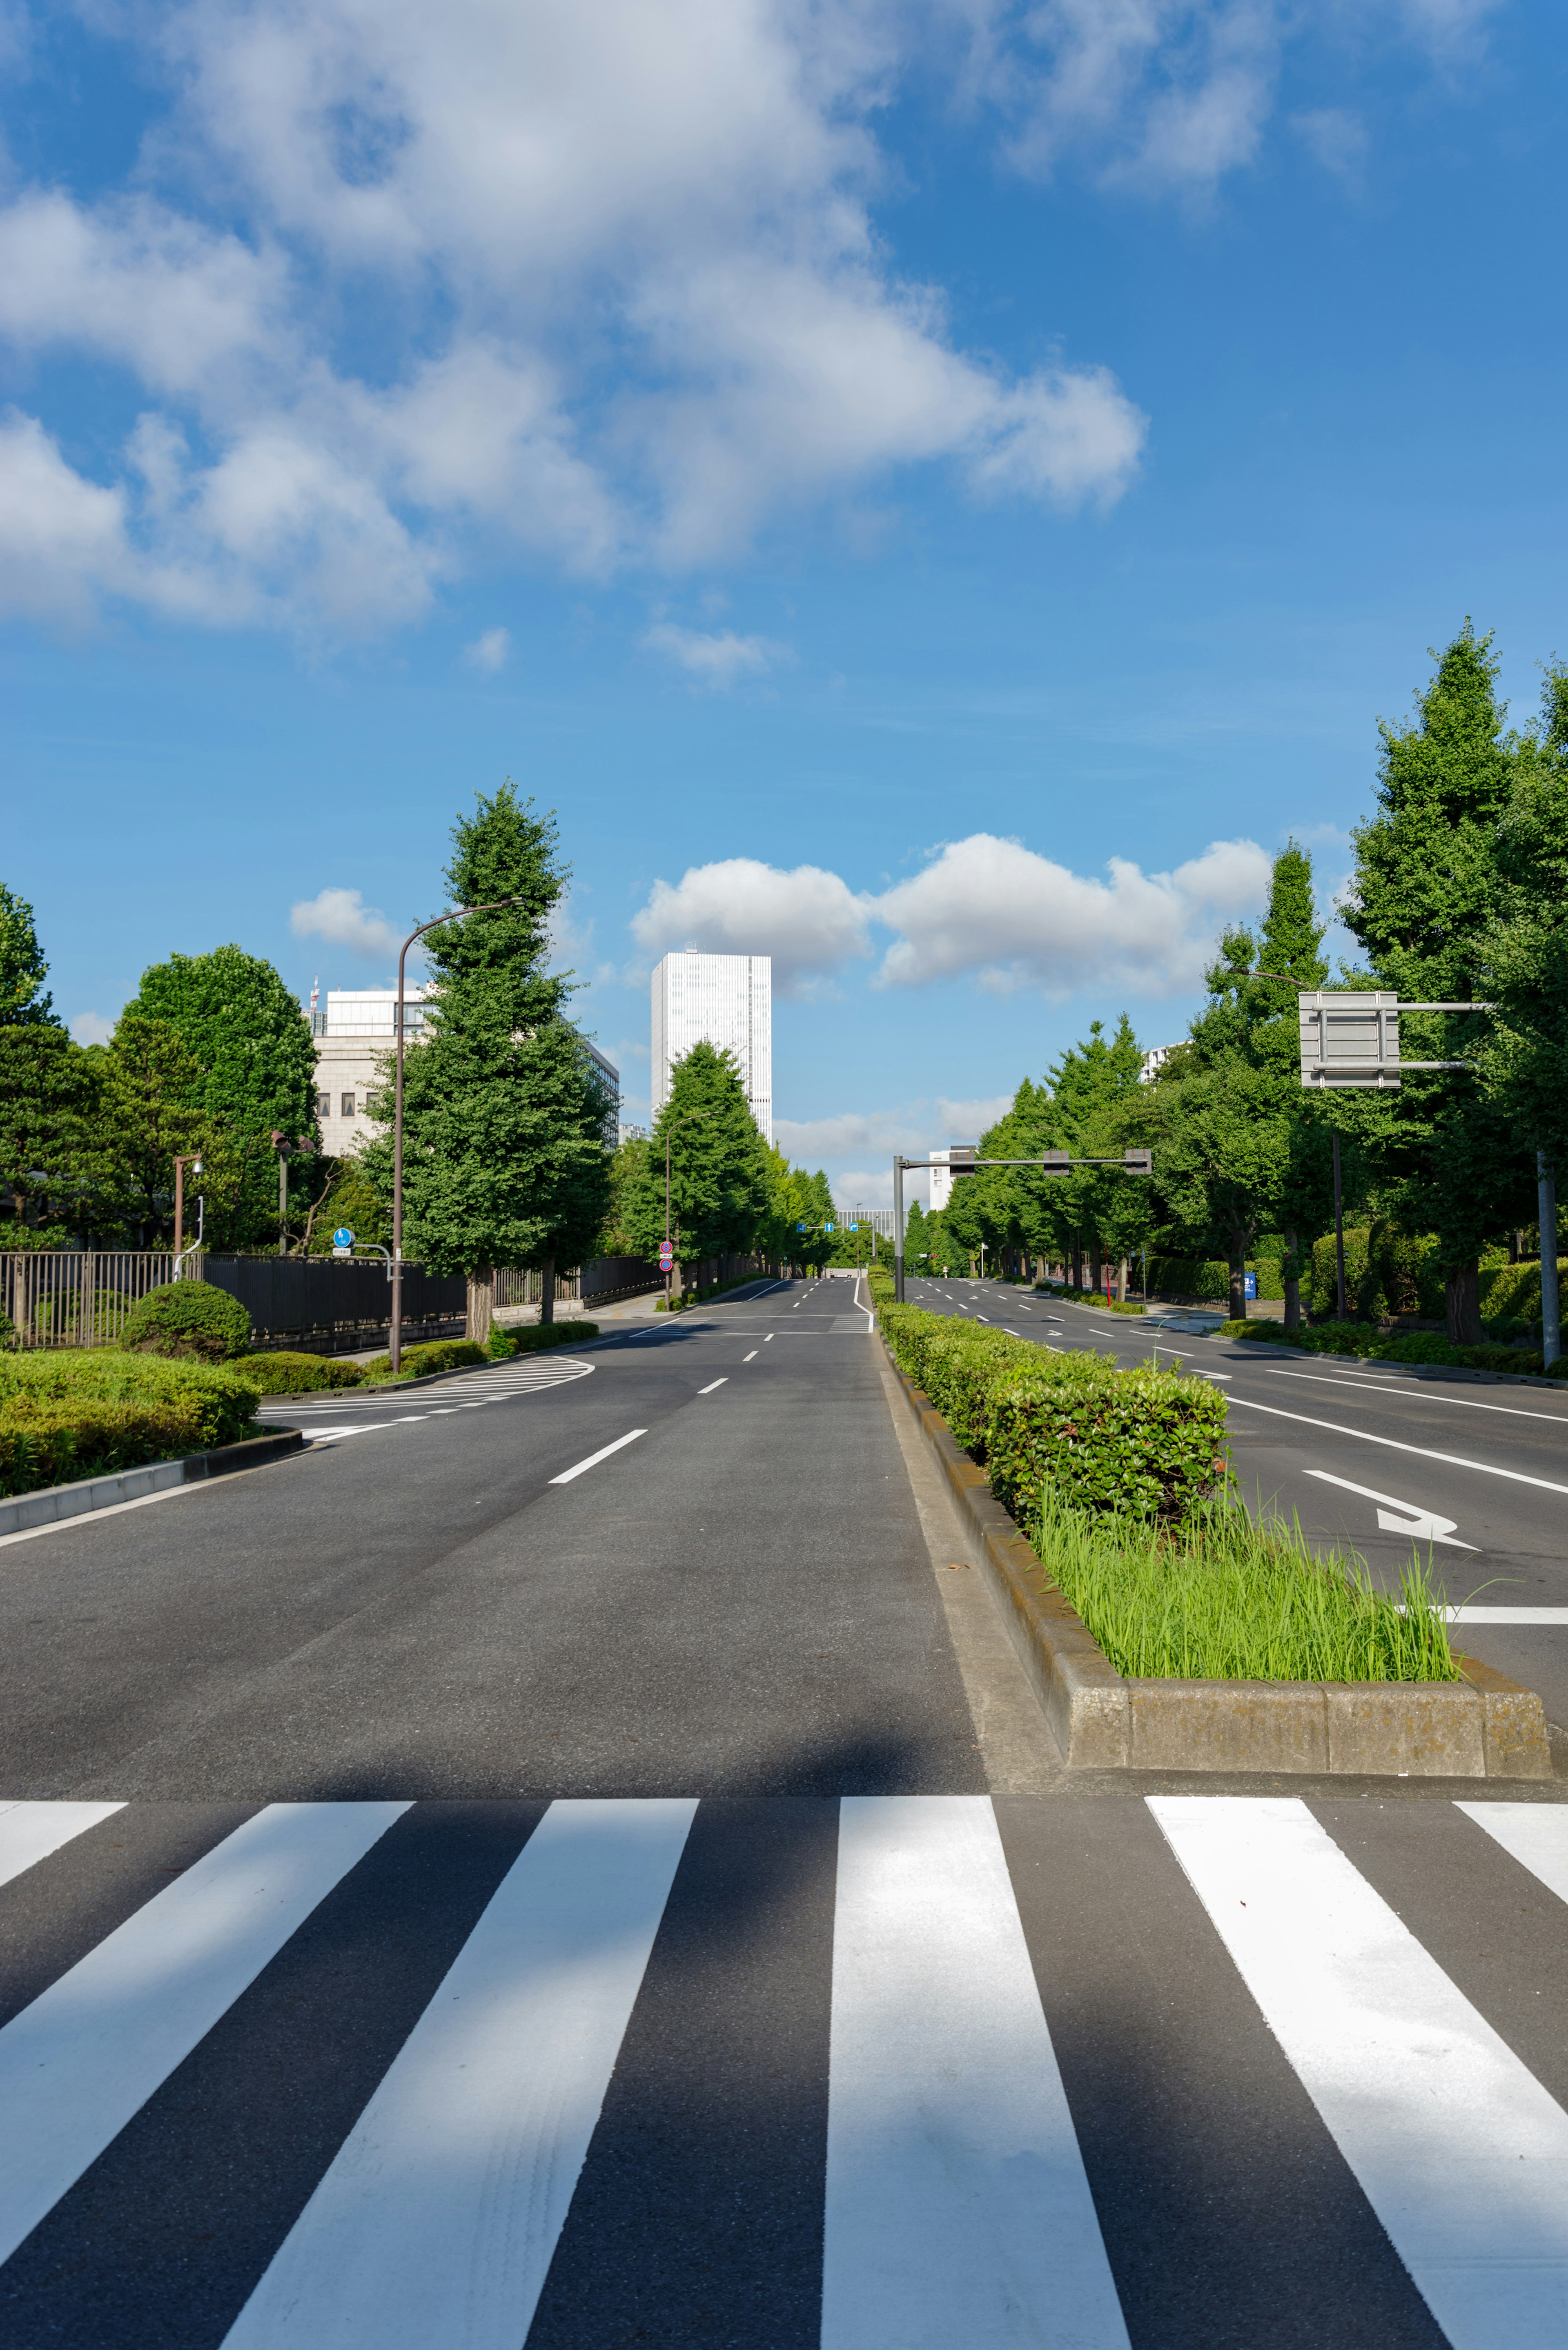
1485 1727
52 1503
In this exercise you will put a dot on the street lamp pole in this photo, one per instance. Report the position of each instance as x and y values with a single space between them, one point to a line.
192 1158
394 1334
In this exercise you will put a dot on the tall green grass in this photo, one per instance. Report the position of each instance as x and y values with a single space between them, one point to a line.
1222 1598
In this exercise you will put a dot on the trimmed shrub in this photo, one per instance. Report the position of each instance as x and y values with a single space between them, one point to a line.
190 1318
534 1337
287 1374
1387 1273
1511 1293
225 1408
435 1355
45 1443
1205 1280
1359 1339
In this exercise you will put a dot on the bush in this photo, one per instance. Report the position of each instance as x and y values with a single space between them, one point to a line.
1140 1441
190 1318
1387 1273
435 1355
1359 1339
285 1374
533 1337
77 1413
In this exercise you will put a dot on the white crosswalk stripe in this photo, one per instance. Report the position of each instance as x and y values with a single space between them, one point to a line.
961 2202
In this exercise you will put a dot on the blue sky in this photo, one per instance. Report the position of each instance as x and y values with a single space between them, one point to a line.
937 493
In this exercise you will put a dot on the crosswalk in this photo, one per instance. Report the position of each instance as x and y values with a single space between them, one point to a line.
879 2072
354 1412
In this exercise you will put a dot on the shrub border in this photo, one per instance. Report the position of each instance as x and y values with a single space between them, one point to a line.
1487 1727
53 1504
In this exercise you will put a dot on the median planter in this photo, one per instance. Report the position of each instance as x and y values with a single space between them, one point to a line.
1481 1727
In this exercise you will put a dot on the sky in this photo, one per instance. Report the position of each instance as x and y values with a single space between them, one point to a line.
935 493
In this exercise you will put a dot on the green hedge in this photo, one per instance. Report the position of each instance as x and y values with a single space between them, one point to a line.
287 1374
188 1317
533 1337
1207 1279
1141 1442
83 1412
1387 1273
1358 1339
435 1355
1511 1293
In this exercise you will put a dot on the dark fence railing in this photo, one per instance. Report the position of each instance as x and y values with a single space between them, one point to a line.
337 1305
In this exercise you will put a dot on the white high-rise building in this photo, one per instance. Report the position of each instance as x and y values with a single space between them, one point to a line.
722 1000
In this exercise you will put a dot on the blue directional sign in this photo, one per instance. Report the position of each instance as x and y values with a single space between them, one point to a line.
343 1237
1249 1284
852 1227
827 1228
799 1228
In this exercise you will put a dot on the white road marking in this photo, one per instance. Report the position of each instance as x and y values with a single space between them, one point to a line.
594 1459
957 2206
769 1339
30 1832
1365 1436
438 2218
1424 1394
1457 2148
1535 1835
750 1358
1539 1616
1419 1522
708 1389
89 2051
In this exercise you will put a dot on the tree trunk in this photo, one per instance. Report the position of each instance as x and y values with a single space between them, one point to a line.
481 1305
1237 1286
1293 1282
1096 1265
547 1290
1462 1299
1122 1280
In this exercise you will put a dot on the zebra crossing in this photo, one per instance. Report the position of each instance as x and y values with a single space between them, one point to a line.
324 1420
873 2073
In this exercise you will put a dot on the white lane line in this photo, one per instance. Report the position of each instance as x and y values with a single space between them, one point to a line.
712 1383
594 1459
750 1358
1421 1451
1535 1835
769 1339
89 2051
957 2208
438 2217
1421 1523
1459 2150
1546 1617
1416 1388
30 1832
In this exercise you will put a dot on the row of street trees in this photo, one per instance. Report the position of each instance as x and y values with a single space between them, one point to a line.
1460 894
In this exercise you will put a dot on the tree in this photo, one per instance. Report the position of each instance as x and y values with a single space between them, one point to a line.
504 1109
721 1195
23 970
1427 898
47 1121
147 1082
1525 1058
250 1065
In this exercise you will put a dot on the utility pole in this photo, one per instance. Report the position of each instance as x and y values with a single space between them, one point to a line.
195 1163
1546 1195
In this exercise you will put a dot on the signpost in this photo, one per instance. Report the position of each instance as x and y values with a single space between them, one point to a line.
666 1256
343 1241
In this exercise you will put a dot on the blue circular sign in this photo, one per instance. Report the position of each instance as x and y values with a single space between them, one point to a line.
343 1237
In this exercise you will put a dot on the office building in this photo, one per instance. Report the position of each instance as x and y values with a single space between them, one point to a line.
725 1001
354 1034
949 1166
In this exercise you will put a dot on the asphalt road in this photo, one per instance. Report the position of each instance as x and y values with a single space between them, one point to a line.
1374 1457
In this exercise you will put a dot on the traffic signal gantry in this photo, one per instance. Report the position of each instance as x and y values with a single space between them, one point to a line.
1049 1162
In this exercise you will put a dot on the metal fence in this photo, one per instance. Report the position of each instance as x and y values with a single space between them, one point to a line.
77 1297
602 1278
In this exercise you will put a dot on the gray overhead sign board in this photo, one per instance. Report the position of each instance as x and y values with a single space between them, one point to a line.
1350 1038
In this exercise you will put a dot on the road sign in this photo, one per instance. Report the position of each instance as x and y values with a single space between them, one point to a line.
827 1228
1349 1039
1055 1162
343 1237
849 1228
1249 1284
1139 1162
666 1256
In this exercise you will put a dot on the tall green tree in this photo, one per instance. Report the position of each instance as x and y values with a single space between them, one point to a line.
1427 897
505 1112
48 1135
250 1071
1525 1057
147 1080
23 970
720 1194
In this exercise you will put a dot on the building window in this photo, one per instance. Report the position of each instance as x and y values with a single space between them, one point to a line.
347 1102
323 1104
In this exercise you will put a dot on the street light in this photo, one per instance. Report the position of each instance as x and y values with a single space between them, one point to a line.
192 1161
693 1118
394 1334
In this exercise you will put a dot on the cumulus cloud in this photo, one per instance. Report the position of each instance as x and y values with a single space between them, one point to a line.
715 660
1013 919
519 185
91 1029
809 921
982 908
491 653
342 918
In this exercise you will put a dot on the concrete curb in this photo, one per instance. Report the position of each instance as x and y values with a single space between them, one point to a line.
56 1502
1485 1728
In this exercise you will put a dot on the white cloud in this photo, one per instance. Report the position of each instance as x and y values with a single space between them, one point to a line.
342 918
809 921
715 660
491 653
91 1029
61 537
1013 919
1336 139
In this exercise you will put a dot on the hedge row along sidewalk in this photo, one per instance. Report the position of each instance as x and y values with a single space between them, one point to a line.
85 1413
1232 1647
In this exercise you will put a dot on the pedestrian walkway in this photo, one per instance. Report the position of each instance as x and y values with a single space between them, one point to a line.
904 2072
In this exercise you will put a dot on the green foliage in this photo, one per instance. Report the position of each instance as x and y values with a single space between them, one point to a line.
190 1318
1220 1598
1523 1056
354 1197
721 1180
436 1355
1387 1273
148 1080
249 1070
124 1409
533 1337
23 970
1373 1346
505 1160
287 1374
48 1148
